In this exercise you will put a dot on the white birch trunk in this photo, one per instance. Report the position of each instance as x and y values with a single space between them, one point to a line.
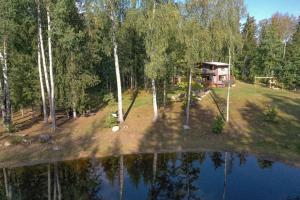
43 51
52 89
117 68
42 84
2 91
155 110
188 100
165 94
228 91
74 110
7 106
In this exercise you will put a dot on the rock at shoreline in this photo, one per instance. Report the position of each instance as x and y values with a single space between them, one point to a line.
186 127
7 144
115 129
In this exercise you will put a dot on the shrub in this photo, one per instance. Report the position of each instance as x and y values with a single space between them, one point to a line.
110 121
109 98
16 140
197 86
270 113
183 85
218 125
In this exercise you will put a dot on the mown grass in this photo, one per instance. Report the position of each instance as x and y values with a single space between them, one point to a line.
247 106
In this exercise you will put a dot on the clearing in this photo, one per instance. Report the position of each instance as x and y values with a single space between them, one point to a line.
247 131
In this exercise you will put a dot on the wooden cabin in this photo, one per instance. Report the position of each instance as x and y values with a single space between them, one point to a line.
214 73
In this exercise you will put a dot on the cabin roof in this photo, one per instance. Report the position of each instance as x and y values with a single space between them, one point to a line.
216 64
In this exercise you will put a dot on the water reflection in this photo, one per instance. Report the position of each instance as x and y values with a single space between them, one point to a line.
201 175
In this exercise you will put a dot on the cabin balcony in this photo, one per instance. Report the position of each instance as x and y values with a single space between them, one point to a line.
207 71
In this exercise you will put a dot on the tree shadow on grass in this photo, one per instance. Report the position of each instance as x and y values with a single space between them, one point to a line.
273 136
168 133
134 96
219 102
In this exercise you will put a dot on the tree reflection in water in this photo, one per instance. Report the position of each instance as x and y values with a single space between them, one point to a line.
143 176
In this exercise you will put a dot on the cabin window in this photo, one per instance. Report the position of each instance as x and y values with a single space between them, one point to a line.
222 77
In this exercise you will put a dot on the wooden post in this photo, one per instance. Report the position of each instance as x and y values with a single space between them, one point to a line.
228 91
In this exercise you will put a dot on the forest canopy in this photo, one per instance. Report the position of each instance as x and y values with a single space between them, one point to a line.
67 54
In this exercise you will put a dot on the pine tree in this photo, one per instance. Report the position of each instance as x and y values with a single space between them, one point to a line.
249 47
290 73
269 52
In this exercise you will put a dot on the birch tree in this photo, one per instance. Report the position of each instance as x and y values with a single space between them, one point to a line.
196 40
111 6
52 89
42 84
7 14
160 22
42 49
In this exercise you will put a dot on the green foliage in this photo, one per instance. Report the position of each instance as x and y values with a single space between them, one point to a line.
197 86
182 85
159 44
17 140
247 54
218 125
270 113
110 121
109 99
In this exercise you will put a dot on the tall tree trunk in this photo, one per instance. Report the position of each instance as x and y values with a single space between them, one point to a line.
121 176
131 78
165 94
42 83
7 106
228 91
187 112
155 110
74 110
43 51
52 91
2 100
117 68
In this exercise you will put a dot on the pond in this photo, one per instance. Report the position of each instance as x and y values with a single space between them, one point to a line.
186 175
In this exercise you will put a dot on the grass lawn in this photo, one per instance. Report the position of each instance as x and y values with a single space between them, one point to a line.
248 103
246 132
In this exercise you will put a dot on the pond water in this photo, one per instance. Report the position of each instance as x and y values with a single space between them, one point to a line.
200 175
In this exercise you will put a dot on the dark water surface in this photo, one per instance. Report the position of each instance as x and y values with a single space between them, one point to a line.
203 175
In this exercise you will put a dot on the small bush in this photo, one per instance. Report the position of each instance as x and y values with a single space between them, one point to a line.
109 98
16 140
218 125
183 85
270 113
197 86
110 122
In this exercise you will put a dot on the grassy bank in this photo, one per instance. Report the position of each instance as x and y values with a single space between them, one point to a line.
246 132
